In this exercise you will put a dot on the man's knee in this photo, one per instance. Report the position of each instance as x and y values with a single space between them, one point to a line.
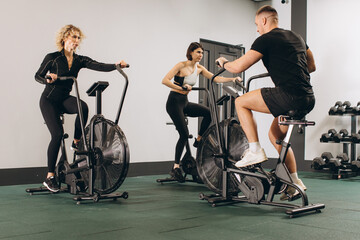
239 103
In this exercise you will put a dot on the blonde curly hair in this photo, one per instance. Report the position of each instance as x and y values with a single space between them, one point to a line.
64 32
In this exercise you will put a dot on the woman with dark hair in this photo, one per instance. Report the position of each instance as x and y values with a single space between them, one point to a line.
185 75
56 98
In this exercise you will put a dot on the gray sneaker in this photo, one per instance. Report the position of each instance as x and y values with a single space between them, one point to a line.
51 184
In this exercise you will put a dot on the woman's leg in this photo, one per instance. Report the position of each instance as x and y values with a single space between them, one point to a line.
178 118
174 107
70 107
51 115
198 110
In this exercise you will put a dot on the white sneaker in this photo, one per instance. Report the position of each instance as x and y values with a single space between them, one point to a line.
301 184
251 158
291 192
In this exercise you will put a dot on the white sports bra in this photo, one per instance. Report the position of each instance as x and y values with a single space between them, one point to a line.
190 79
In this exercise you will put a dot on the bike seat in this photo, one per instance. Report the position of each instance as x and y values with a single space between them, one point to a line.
295 117
297 114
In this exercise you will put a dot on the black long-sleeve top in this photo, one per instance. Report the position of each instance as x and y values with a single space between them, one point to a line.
57 63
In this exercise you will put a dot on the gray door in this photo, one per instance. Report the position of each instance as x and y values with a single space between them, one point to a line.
212 51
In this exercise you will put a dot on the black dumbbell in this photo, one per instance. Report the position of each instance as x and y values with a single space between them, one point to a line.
356 109
346 107
338 162
325 137
355 137
319 163
355 165
340 136
344 158
340 110
333 110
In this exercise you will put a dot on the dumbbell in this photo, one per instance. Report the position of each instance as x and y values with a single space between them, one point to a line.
356 109
325 137
336 163
319 163
346 107
333 110
344 158
339 136
355 165
355 137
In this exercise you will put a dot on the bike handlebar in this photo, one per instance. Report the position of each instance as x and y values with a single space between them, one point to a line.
194 88
239 83
217 74
199 89
118 67
255 77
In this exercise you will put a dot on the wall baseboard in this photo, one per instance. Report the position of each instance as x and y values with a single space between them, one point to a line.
17 176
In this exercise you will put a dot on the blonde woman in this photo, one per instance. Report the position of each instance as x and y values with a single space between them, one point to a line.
56 98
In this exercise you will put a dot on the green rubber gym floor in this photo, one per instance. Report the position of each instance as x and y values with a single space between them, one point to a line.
174 211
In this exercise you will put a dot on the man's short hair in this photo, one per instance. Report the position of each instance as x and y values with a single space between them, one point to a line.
267 9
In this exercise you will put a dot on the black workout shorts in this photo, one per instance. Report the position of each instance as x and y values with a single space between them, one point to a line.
280 101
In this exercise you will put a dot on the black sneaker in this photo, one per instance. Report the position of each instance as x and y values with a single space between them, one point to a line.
196 143
177 175
51 184
74 146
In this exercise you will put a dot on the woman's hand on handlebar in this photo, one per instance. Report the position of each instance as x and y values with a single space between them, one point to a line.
187 87
50 78
122 64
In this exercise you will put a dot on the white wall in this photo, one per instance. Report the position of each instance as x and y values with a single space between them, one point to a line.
333 37
152 35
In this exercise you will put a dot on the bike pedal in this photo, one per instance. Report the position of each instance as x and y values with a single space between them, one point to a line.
294 197
253 166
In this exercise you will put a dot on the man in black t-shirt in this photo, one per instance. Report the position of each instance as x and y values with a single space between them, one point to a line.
289 61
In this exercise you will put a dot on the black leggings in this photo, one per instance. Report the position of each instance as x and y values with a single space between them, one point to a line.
51 111
177 106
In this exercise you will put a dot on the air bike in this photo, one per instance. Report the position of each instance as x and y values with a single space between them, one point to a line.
101 163
222 146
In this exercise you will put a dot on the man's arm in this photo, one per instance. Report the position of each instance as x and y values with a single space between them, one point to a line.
310 61
242 63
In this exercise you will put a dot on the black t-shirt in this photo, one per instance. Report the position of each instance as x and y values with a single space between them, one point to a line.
56 63
284 56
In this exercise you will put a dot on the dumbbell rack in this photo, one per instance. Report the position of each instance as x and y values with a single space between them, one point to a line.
346 170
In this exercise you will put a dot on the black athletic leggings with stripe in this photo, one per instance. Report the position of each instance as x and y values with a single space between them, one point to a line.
51 111
177 106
